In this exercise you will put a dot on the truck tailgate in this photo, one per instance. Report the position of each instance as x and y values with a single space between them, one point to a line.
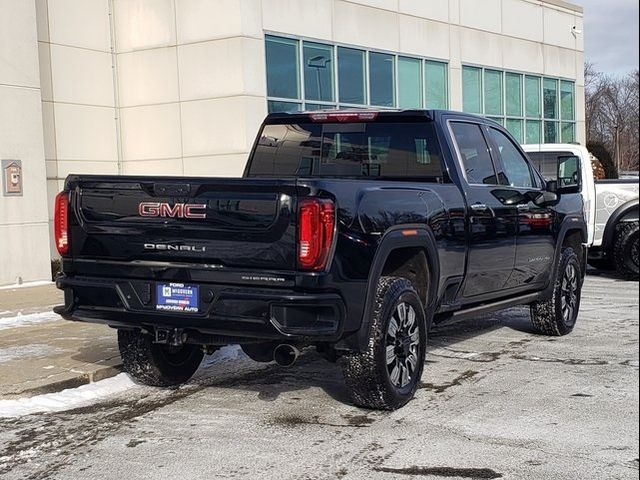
243 223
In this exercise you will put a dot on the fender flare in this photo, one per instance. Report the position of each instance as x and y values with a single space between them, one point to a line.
616 217
569 224
393 239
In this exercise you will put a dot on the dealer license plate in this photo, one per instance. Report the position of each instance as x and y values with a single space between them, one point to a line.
177 297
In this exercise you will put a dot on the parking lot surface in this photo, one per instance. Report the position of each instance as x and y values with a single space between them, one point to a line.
496 401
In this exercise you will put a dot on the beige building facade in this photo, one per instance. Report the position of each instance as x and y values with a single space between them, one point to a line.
180 87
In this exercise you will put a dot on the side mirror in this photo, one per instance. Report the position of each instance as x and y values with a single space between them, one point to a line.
551 186
546 198
569 174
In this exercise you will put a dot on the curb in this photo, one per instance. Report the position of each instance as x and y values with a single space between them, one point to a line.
74 382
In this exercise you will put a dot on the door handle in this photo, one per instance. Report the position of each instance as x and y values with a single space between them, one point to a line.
478 207
522 206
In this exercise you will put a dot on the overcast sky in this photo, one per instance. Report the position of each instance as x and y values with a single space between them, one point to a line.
611 34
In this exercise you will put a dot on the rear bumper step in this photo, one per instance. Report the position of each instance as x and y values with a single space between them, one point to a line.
234 312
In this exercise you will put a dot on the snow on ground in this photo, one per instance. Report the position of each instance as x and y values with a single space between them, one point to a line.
37 283
26 352
88 394
230 353
21 320
66 399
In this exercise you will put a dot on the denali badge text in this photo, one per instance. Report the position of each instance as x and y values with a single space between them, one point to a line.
173 248
178 210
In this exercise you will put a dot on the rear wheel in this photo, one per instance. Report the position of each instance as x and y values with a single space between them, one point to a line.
557 314
625 250
156 364
385 376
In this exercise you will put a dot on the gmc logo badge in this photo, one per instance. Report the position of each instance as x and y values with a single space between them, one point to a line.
178 210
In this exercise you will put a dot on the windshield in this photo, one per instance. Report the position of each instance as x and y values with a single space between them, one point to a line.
380 150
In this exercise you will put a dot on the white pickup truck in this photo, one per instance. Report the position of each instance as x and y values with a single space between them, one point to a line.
610 206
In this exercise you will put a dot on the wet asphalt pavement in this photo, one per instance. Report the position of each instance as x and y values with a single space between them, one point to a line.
496 401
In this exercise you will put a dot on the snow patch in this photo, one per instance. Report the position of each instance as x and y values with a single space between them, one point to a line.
21 320
229 353
37 283
66 399
35 350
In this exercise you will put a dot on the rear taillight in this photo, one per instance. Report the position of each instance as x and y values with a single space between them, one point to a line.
315 233
61 223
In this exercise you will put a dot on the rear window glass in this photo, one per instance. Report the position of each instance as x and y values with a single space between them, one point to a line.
380 150
547 163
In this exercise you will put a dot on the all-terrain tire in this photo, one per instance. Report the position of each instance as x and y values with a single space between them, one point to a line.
625 250
155 364
368 375
557 315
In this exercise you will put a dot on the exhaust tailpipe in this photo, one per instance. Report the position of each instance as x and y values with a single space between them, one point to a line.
285 355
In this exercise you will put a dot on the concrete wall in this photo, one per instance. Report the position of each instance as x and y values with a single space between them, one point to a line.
191 84
24 236
78 97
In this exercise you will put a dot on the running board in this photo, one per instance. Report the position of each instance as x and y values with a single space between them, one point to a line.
478 310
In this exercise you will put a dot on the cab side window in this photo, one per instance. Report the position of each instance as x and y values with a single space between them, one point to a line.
516 168
474 152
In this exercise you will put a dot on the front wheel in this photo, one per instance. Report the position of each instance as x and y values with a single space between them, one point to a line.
155 364
557 314
385 376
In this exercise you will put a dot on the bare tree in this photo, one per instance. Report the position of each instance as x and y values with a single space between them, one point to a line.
612 114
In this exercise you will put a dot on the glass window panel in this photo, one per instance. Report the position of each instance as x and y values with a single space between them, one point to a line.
513 87
472 90
351 67
550 96
532 96
499 120
515 128
409 82
380 149
568 132
567 100
274 106
381 79
318 71
474 153
551 132
282 67
533 131
516 168
436 85
493 92
318 106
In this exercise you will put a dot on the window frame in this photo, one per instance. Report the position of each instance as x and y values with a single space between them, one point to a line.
498 158
460 163
337 104
524 117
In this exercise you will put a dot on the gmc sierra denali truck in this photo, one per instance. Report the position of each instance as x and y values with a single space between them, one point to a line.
350 231
610 206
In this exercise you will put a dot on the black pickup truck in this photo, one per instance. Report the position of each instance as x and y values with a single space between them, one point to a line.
350 231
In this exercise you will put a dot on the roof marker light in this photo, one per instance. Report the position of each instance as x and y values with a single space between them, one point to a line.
343 116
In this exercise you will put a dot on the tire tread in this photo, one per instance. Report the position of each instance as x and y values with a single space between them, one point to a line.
365 381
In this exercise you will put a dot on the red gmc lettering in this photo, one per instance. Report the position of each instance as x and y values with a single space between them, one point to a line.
178 210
